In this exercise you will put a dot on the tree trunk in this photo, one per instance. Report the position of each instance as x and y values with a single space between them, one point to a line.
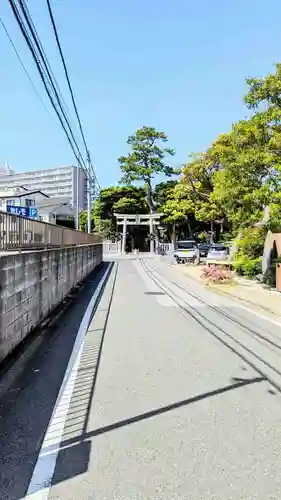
189 229
150 197
212 231
174 234
151 206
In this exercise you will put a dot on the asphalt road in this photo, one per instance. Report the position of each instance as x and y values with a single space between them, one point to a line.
167 392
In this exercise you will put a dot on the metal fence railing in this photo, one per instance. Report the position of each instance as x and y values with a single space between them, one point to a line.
164 249
111 246
18 232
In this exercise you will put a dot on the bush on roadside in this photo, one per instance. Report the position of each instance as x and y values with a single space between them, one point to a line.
216 274
247 266
249 250
251 242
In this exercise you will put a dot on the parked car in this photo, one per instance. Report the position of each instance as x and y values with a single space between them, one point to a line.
218 251
204 249
185 251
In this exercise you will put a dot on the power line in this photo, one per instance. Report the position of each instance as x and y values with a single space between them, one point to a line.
66 71
45 57
23 66
45 63
43 78
69 84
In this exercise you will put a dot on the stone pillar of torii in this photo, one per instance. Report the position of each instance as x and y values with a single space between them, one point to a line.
137 220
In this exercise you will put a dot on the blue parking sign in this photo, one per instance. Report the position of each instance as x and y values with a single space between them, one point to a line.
33 213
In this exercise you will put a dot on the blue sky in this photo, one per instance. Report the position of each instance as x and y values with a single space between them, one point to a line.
178 66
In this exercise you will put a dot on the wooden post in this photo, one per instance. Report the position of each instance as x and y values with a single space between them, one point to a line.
151 233
124 222
212 231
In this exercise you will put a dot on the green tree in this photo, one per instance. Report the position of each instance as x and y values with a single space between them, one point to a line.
146 160
129 206
83 220
163 191
177 209
198 180
105 227
119 199
115 199
245 183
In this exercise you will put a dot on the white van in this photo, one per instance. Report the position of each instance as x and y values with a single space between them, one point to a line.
185 251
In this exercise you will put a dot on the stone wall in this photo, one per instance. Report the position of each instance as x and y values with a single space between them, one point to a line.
33 283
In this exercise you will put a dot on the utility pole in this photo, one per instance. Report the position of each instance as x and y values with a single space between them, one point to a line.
89 202
77 197
89 197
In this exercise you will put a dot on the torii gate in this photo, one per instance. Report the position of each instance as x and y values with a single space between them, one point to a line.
135 220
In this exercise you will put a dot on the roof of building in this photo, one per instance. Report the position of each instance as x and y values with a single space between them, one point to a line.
58 206
43 170
52 201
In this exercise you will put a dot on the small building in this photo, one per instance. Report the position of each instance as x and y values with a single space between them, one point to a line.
56 211
21 201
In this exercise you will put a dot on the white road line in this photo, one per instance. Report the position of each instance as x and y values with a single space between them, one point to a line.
41 480
262 316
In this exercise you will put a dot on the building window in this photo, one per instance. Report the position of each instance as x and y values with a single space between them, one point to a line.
11 202
28 202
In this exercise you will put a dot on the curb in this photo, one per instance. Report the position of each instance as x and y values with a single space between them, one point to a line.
240 299
233 296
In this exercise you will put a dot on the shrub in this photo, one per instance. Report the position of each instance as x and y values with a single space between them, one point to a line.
216 274
274 223
249 250
247 266
251 242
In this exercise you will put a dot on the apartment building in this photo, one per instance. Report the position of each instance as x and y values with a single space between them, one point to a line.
67 182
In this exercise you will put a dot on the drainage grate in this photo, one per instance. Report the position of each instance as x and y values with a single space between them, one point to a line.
154 293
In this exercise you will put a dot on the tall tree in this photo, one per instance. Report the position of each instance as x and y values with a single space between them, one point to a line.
146 160
163 191
119 199
198 180
177 208
245 183
115 199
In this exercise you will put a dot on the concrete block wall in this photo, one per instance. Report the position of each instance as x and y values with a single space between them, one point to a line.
33 283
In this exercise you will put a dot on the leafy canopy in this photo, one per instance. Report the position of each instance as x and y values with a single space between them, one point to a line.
121 199
146 160
147 156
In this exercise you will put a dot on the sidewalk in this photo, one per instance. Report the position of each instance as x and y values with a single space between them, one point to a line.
242 289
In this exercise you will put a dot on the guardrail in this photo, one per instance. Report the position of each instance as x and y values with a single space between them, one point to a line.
18 233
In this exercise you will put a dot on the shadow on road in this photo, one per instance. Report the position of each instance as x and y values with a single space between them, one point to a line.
75 451
26 422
